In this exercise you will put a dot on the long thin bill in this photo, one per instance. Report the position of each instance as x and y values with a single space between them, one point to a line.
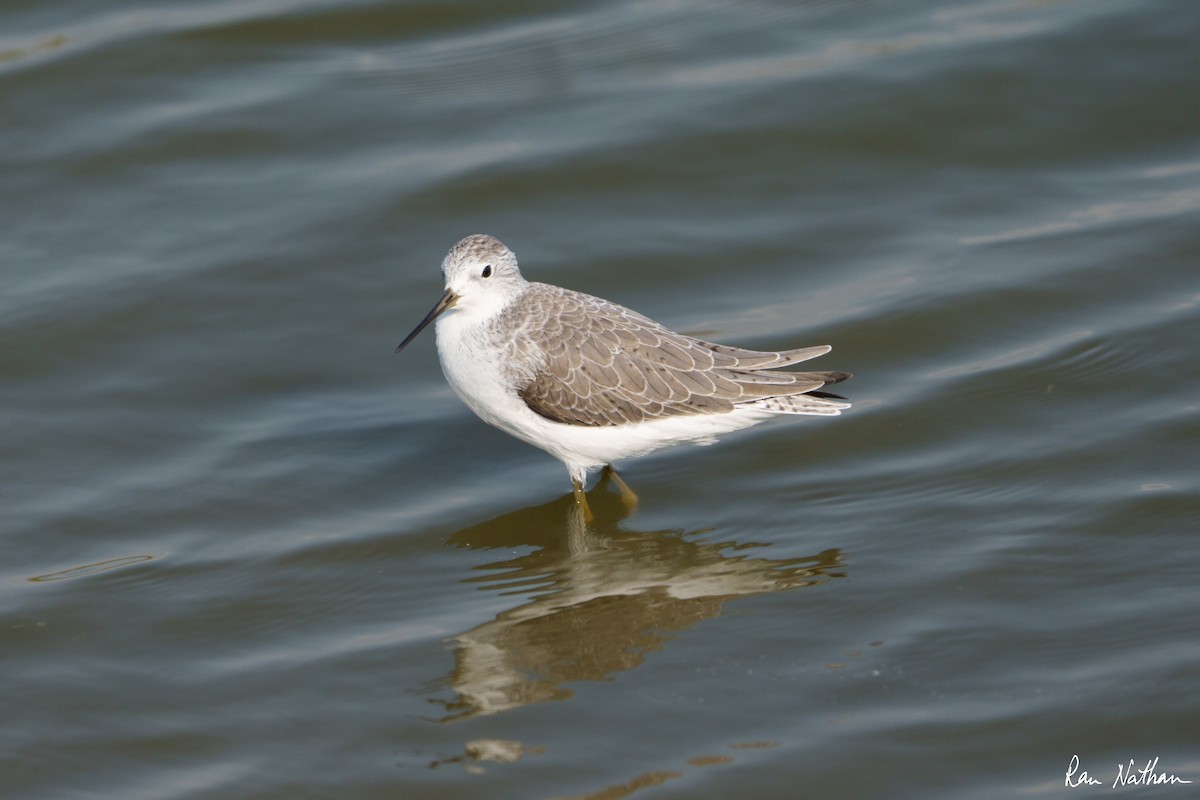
448 300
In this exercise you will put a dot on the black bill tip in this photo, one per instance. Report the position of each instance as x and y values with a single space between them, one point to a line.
449 298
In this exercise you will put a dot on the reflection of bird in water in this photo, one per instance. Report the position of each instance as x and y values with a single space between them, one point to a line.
600 598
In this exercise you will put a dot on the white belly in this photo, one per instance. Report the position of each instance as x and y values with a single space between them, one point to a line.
471 367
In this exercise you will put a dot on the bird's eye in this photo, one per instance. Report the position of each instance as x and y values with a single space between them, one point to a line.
487 271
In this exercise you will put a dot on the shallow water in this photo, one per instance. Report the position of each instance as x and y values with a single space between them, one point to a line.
251 553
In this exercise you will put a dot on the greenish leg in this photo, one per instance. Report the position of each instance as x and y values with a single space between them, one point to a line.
581 500
628 497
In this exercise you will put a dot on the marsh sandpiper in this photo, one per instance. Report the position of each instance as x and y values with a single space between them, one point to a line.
592 382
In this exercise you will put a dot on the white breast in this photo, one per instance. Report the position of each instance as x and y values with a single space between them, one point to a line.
471 363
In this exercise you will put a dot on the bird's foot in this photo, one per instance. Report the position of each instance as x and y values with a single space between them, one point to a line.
628 497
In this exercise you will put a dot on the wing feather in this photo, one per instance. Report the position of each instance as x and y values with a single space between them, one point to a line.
603 364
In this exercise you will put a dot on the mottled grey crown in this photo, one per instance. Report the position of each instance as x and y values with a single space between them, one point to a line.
479 249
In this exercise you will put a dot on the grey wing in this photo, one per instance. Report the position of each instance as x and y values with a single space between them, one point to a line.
606 365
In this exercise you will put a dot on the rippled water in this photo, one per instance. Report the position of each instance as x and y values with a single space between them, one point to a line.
251 553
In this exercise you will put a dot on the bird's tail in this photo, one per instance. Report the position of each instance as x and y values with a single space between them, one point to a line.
821 403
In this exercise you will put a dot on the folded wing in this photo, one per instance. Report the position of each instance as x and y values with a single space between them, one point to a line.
606 365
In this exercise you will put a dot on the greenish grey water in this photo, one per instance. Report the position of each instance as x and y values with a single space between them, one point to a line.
251 553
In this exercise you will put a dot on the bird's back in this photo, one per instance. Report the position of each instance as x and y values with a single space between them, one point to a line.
582 360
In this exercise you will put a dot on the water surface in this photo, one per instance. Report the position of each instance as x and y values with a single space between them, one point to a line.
251 553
